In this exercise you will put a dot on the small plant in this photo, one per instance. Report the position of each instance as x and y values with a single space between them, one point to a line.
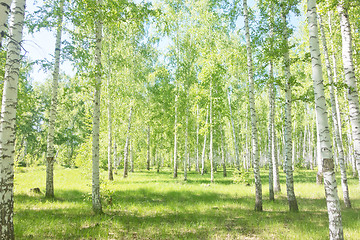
242 176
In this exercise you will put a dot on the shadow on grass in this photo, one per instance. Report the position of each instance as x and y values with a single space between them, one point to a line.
145 214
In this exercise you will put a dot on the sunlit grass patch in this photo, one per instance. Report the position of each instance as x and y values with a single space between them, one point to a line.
150 205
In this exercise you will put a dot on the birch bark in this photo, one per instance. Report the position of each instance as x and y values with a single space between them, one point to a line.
349 70
96 200
127 143
211 139
175 139
335 114
204 146
237 159
270 134
4 14
293 206
50 160
8 120
332 199
110 169
255 151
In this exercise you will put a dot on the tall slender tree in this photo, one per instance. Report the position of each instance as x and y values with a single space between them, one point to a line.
8 120
293 206
335 115
127 143
270 134
110 165
96 200
349 70
332 199
52 116
254 137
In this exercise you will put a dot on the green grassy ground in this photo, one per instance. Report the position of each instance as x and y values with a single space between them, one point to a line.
150 205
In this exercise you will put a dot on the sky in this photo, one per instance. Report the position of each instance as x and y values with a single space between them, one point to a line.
41 45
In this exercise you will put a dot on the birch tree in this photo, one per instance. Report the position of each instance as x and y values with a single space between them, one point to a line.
4 14
288 101
335 115
8 120
110 169
96 201
126 149
350 78
50 160
255 153
332 199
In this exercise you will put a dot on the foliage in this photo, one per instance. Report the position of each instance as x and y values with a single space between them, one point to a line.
243 177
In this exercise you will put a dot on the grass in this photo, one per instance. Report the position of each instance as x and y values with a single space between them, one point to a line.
150 205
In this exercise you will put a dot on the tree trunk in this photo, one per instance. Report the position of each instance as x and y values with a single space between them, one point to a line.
131 157
350 78
319 174
275 160
255 153
115 156
4 14
96 200
197 138
270 133
223 154
148 149
186 148
211 139
332 199
175 139
339 143
126 148
52 115
110 170
204 147
237 159
287 134
8 121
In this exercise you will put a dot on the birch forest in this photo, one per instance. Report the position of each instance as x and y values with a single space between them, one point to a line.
179 119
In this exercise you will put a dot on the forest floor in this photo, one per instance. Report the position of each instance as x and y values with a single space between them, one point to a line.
150 205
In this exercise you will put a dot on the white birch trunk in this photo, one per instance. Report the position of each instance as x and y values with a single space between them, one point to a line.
237 159
186 148
211 139
339 143
332 199
127 142
96 200
4 14
175 139
350 78
8 120
223 154
197 138
204 146
50 160
115 157
110 169
148 149
255 152
287 134
275 160
270 133
319 174
131 157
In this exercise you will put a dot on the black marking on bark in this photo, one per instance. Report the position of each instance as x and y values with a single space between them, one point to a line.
328 165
